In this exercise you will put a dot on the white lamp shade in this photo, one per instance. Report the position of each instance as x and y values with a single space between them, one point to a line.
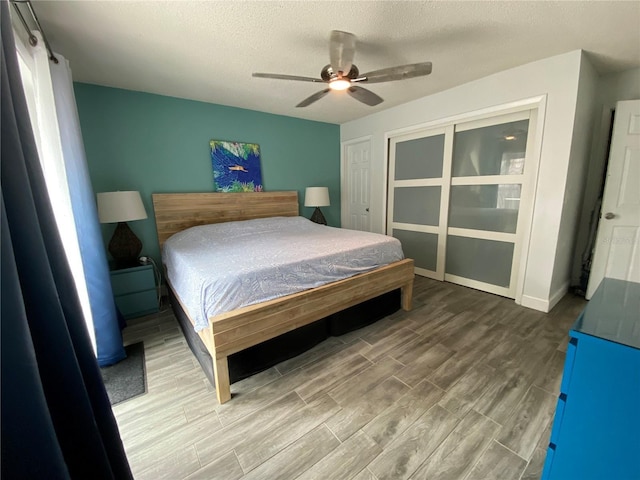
120 207
316 197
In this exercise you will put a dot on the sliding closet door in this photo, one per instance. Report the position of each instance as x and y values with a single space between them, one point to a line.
489 202
419 168
460 198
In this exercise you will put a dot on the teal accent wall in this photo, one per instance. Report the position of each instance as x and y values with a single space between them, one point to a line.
157 144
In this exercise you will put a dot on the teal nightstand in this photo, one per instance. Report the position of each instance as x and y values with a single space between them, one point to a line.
135 290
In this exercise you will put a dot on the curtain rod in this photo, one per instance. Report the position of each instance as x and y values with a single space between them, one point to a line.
33 40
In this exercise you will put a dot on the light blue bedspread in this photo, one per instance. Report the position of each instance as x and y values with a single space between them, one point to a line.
222 267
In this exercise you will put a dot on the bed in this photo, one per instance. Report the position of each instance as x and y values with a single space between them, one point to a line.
241 328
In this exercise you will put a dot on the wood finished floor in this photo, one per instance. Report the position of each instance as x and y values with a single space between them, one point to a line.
462 387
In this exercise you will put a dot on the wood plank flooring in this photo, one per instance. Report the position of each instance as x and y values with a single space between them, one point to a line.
462 387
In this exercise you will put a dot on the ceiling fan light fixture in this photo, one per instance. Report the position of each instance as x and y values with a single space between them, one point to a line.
339 84
342 75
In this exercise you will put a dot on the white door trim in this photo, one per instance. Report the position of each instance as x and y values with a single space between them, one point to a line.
538 114
493 111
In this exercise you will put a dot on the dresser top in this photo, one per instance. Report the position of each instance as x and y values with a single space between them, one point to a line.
613 313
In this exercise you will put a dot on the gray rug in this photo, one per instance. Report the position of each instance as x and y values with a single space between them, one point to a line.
127 378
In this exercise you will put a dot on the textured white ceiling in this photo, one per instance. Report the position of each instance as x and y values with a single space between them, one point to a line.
207 50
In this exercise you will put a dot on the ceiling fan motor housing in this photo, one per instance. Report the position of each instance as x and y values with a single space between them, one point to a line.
328 74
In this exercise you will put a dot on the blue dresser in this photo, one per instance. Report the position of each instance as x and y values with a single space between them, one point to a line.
596 429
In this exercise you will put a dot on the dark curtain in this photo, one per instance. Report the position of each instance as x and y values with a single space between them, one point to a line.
55 413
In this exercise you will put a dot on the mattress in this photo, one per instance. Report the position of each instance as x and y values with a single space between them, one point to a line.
218 268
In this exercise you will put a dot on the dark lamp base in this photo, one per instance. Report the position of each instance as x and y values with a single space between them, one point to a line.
318 217
124 246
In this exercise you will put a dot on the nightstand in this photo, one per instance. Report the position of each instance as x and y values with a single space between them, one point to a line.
135 290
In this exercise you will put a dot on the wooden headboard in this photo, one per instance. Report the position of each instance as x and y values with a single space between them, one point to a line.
175 212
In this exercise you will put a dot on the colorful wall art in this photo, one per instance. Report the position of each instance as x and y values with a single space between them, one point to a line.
236 166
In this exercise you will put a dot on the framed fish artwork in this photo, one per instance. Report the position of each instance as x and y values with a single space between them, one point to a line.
236 166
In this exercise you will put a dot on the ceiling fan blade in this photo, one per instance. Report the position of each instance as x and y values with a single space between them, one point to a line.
401 72
365 96
342 48
277 76
313 98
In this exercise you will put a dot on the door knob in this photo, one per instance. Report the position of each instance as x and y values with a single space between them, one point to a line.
367 209
609 215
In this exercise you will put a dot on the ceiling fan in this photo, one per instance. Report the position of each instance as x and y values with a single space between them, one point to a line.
342 74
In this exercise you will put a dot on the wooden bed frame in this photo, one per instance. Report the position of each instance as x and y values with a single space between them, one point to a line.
245 327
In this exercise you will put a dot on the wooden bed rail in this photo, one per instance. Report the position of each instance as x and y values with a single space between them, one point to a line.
245 327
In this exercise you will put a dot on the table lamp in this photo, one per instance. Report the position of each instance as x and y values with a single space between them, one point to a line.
317 197
122 207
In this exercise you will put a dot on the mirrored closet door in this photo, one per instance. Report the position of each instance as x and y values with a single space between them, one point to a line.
459 198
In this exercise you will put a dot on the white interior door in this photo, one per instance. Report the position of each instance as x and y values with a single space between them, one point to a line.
617 250
357 170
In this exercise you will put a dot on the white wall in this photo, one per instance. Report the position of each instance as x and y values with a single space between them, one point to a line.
576 178
610 90
620 86
557 78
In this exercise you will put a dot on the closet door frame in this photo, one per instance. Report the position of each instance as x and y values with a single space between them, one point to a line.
537 106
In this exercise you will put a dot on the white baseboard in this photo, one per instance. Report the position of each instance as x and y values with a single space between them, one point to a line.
536 303
545 305
561 292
